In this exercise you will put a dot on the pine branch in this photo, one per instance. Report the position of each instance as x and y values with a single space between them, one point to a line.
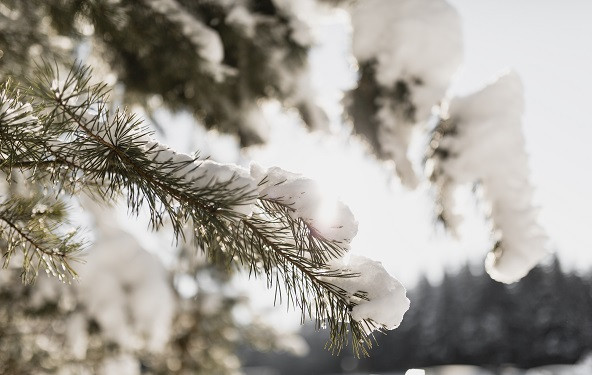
232 219
304 281
33 227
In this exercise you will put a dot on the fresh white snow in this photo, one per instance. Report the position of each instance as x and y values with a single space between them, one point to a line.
15 113
206 40
304 198
487 146
122 287
415 44
386 298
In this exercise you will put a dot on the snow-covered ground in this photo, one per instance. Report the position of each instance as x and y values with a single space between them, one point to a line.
584 367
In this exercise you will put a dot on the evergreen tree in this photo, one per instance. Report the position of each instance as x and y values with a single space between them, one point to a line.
66 132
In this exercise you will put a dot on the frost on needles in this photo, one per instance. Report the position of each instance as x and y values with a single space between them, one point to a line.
264 220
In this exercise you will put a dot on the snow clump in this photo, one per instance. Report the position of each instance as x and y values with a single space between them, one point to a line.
414 47
386 297
16 113
482 142
206 40
125 289
306 202
205 173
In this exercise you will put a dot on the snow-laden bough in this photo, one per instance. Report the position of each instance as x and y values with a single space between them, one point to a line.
412 48
480 141
375 295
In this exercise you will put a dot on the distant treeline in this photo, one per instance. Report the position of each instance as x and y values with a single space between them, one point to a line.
546 318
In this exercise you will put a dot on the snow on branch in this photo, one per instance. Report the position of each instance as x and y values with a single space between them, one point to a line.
271 222
408 51
299 13
375 295
205 39
305 202
17 124
480 141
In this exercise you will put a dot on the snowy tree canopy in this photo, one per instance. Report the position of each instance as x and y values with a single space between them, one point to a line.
213 58
66 134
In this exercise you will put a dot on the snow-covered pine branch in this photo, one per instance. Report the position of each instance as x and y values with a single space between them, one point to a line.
479 140
408 51
264 220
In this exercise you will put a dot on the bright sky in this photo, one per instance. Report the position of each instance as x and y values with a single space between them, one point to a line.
546 43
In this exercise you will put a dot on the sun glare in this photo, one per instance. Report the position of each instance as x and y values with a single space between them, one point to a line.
326 214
